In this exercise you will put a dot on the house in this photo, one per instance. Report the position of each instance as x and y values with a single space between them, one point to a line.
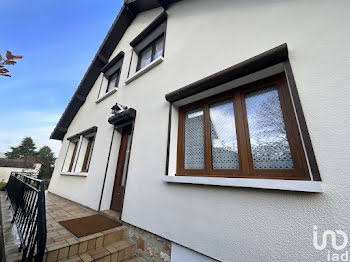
28 166
220 128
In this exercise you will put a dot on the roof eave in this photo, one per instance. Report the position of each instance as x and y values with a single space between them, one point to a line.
125 17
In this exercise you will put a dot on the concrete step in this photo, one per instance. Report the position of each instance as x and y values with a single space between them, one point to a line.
82 245
120 251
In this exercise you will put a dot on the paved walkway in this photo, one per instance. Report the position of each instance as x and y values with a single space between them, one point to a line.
57 209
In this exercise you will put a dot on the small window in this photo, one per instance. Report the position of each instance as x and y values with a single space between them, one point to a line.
249 132
112 72
148 46
88 154
73 156
113 81
154 50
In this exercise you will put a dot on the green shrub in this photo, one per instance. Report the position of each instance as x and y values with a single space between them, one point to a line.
2 186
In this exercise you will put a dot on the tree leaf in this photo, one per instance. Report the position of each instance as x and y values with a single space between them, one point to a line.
10 62
9 55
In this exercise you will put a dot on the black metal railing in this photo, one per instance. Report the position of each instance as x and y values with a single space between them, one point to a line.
27 197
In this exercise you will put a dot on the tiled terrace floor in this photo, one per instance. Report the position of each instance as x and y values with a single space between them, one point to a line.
57 209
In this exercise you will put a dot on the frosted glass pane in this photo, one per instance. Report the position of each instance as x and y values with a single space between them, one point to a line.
194 139
268 138
223 136
159 48
146 57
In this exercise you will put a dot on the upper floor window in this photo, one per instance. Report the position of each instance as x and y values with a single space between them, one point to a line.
111 76
249 132
154 50
113 81
149 44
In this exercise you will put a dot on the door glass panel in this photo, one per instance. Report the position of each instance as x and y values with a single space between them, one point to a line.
223 135
159 48
146 57
194 139
268 137
126 161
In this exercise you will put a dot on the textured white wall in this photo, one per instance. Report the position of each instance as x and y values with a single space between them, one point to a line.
229 224
87 190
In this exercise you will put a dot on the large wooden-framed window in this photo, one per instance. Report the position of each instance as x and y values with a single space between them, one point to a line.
73 156
88 154
248 132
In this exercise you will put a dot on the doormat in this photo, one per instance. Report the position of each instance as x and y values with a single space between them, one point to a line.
81 227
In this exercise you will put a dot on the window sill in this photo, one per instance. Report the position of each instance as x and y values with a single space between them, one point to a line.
106 95
289 185
82 174
144 70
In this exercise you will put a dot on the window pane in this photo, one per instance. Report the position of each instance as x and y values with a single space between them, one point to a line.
90 154
146 57
113 81
159 48
194 139
268 138
223 136
73 156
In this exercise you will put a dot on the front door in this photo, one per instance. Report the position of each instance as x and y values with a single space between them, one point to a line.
122 170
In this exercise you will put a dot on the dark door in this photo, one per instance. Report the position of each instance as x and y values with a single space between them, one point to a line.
122 171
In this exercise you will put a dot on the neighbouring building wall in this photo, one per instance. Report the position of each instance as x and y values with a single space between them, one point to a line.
228 224
5 172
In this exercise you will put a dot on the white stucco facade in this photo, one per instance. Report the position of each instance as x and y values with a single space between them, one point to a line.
225 223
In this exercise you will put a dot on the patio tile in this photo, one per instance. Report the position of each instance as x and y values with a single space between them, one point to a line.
63 253
59 239
83 247
73 250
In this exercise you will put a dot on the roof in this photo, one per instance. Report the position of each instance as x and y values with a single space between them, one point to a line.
124 18
18 163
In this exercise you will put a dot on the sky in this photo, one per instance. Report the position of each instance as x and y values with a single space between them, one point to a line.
58 40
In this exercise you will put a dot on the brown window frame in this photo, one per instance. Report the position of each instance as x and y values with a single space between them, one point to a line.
73 156
117 72
90 147
246 168
153 44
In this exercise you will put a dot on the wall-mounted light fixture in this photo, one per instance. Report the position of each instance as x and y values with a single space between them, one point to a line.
118 108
